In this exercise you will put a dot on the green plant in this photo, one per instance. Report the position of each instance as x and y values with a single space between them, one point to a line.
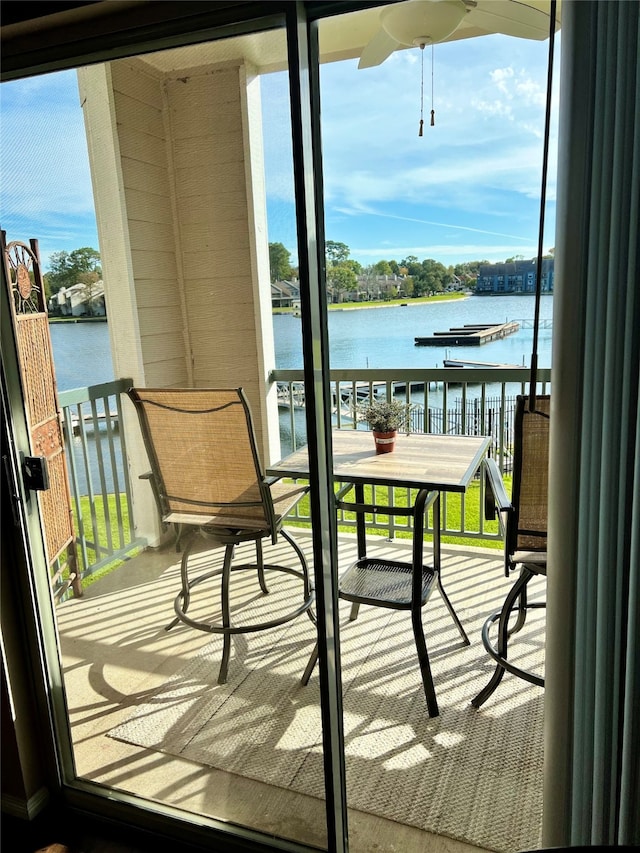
384 415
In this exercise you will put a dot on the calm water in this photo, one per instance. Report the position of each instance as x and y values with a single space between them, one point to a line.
359 338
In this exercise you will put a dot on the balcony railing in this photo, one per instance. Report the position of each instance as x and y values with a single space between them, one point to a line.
98 474
454 401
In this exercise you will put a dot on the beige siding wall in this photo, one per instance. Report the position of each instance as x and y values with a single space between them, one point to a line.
211 130
179 183
147 188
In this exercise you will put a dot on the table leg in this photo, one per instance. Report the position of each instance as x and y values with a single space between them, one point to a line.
437 565
362 541
360 523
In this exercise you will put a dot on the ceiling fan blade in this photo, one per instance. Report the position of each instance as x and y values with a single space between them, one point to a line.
377 50
510 19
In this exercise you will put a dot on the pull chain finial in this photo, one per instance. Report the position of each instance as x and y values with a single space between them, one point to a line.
433 112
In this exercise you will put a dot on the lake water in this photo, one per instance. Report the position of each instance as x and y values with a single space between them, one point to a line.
358 338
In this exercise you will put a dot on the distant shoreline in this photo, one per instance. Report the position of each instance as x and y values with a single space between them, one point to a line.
346 306
356 306
61 320
389 303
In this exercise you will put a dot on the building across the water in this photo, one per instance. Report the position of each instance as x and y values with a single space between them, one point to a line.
515 277
79 300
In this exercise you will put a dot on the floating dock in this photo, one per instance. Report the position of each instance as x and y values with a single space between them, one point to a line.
469 335
454 362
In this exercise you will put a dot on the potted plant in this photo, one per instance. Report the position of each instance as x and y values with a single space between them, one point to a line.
385 417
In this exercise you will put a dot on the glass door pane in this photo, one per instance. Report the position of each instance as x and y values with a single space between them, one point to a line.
432 165
193 250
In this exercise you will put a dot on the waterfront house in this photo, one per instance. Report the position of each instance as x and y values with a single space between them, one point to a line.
79 300
285 294
171 104
515 277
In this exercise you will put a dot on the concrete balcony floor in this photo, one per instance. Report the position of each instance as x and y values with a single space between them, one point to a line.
116 652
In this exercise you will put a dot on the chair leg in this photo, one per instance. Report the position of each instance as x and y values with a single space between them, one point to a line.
184 576
453 613
310 666
226 613
305 571
355 608
514 594
260 564
522 612
425 667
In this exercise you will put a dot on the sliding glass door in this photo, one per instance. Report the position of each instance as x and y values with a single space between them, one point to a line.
199 158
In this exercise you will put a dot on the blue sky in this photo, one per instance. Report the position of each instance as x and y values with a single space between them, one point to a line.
468 189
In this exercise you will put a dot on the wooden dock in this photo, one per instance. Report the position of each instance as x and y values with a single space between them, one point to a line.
455 362
470 335
351 393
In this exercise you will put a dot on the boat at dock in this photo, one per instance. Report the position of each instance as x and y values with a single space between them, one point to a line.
471 334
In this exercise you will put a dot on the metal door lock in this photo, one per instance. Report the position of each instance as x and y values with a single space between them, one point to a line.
36 473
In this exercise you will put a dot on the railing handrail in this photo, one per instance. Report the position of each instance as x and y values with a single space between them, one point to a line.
93 392
451 375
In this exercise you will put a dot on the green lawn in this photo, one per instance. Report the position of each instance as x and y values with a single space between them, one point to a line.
472 510
101 531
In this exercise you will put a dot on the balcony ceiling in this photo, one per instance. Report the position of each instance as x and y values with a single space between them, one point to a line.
341 37
35 39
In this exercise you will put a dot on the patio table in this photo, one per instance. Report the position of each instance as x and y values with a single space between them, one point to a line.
428 463
423 461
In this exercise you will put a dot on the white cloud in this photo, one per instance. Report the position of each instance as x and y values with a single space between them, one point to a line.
476 170
448 251
488 133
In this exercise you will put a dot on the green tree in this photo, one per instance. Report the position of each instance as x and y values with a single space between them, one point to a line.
336 253
431 278
68 268
412 265
341 278
352 265
383 268
280 262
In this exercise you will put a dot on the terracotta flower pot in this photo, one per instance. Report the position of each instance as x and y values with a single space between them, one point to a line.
385 441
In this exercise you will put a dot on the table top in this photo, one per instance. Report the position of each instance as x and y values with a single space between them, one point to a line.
419 460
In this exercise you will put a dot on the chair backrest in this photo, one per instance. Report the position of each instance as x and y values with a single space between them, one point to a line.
527 524
203 454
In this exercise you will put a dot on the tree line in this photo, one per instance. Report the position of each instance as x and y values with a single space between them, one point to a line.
420 278
81 266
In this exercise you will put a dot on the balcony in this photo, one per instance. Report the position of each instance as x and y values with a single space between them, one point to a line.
119 661
456 401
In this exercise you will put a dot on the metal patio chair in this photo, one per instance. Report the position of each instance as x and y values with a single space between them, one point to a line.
208 481
399 585
523 519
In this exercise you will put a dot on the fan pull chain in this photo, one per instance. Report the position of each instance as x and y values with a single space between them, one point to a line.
421 89
433 112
